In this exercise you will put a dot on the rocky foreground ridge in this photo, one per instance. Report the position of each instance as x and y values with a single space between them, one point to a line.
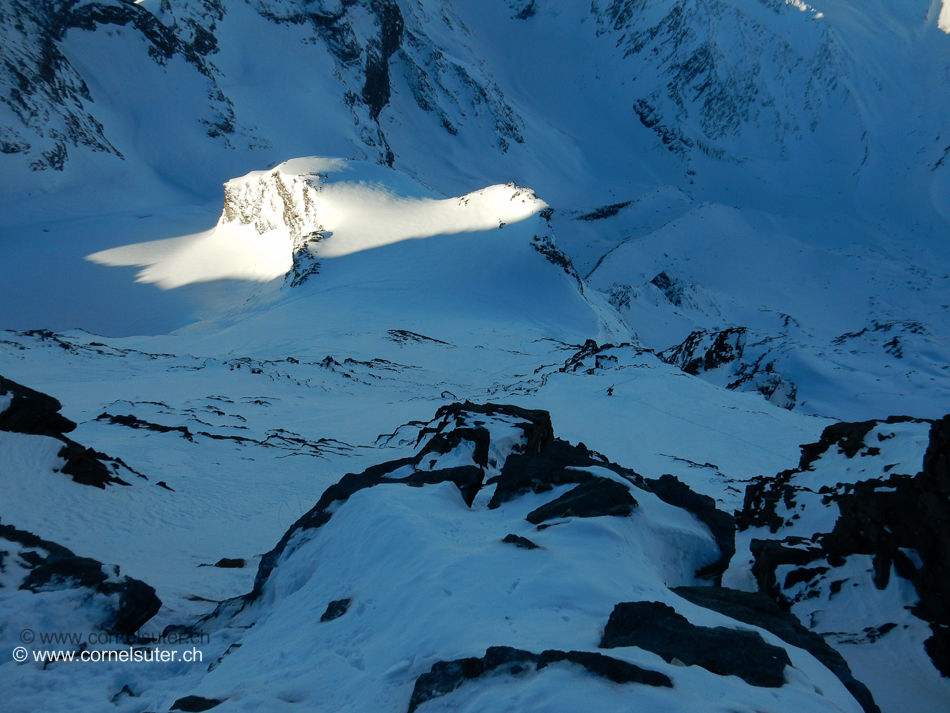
500 563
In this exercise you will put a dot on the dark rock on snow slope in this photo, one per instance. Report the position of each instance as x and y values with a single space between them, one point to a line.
42 566
897 514
35 413
567 477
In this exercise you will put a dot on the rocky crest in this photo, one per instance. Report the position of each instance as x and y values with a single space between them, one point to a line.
36 413
867 500
502 464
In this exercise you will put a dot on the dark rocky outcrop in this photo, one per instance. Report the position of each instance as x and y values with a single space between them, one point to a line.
884 518
402 336
336 609
657 627
604 211
305 263
556 465
594 498
376 87
579 361
32 412
749 363
523 9
697 354
536 425
761 611
231 563
546 245
671 288
848 437
446 676
522 542
52 567
36 413
764 494
130 421
195 704
606 667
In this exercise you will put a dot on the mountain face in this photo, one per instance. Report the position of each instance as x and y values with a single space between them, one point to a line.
417 355
761 87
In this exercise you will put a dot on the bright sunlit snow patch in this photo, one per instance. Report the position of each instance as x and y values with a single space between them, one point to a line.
943 21
803 7
236 253
269 215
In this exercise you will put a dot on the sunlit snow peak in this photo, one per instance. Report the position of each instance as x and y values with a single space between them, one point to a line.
331 207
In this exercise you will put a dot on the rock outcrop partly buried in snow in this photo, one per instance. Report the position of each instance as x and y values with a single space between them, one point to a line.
402 585
861 526
45 580
30 413
284 221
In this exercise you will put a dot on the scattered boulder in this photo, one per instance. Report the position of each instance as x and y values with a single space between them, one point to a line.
447 676
522 542
228 563
195 704
336 609
759 610
657 627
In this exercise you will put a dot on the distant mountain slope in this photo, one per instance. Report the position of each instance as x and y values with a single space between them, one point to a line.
786 98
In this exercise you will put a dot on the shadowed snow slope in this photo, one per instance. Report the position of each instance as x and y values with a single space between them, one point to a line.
369 250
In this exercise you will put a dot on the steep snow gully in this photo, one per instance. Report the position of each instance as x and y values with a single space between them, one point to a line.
598 360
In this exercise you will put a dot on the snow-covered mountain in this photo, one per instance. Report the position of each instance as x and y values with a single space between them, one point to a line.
535 355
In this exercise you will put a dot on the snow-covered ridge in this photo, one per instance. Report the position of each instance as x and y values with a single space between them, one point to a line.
324 207
417 597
